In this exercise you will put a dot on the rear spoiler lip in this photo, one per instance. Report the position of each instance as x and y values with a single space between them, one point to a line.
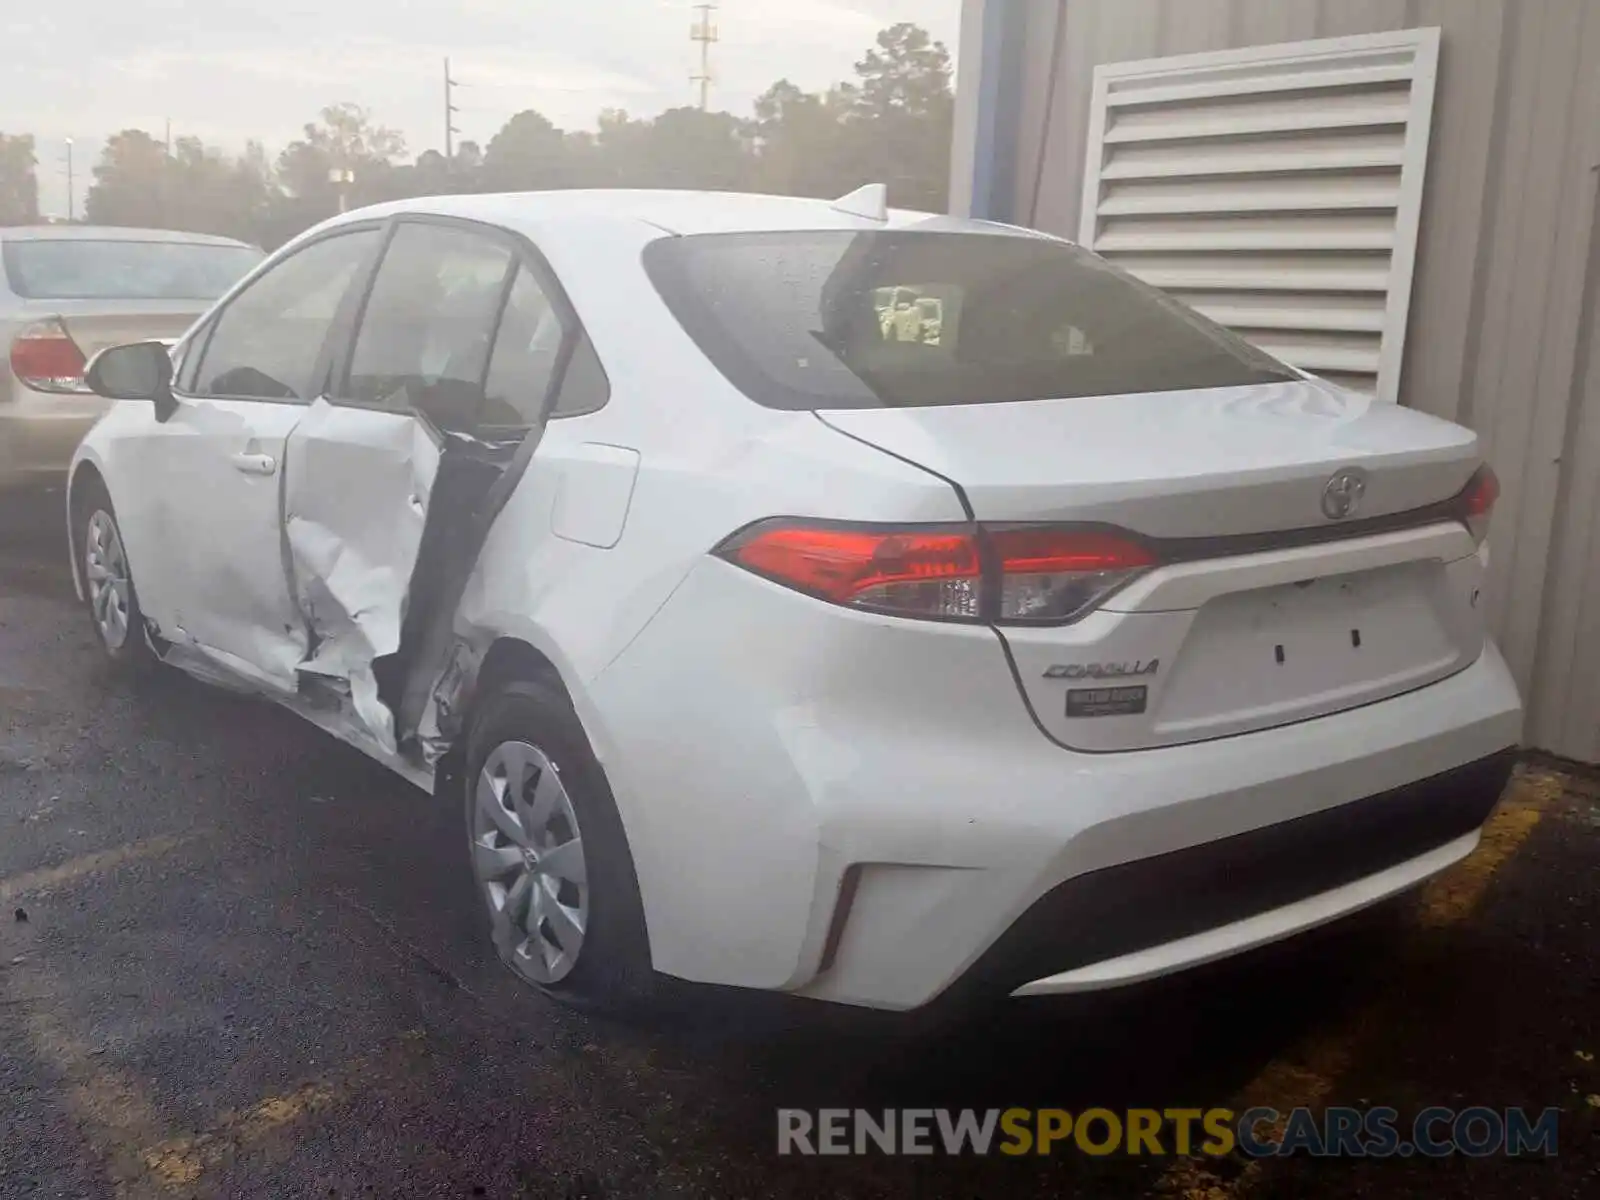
1192 549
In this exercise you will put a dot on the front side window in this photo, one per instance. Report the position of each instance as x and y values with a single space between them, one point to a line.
428 325
266 343
905 319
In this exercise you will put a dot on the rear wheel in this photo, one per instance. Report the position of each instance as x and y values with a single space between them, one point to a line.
548 853
109 594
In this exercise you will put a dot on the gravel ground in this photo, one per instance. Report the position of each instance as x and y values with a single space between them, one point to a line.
252 966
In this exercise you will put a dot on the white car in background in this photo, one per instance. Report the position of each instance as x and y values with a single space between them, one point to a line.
67 291
763 648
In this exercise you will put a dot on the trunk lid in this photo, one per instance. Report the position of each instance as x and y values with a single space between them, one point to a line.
1178 464
1230 636
97 324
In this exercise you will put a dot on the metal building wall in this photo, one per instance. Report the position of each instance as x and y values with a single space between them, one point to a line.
1504 331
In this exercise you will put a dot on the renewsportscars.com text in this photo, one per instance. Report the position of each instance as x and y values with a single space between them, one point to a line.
1257 1132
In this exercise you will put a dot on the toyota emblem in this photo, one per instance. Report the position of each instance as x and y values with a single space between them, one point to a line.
1341 495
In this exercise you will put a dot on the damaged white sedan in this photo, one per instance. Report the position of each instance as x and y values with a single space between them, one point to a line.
1049 639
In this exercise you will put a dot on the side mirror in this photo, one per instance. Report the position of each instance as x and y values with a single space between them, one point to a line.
138 371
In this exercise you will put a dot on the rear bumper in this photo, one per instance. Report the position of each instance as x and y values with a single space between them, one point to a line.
1141 919
39 432
860 810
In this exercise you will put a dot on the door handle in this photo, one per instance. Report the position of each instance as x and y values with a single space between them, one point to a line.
255 464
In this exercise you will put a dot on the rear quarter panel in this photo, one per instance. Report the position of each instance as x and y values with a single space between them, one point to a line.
709 461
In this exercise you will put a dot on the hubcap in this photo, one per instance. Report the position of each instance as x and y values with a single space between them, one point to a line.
106 565
527 853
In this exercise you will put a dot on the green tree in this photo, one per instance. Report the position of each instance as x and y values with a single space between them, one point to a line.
344 138
681 148
195 188
898 115
430 175
529 152
890 123
468 159
131 183
689 148
211 192
797 142
19 182
616 151
906 74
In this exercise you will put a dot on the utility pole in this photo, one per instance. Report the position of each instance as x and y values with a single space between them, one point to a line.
71 212
165 187
450 110
704 32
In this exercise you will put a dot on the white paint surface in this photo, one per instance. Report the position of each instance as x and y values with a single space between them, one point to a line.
593 494
758 741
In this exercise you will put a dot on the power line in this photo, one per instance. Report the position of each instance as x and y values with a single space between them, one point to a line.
704 32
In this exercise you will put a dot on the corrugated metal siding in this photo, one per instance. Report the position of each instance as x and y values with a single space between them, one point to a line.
1503 322
1275 189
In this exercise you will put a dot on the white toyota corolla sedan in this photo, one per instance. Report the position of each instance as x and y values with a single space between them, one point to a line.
766 643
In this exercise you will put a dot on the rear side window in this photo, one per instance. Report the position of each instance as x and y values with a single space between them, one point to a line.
908 319
83 269
527 351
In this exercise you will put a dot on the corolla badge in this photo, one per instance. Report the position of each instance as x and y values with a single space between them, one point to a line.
1341 495
1110 670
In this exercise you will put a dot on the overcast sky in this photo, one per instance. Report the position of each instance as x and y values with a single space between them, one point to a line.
230 70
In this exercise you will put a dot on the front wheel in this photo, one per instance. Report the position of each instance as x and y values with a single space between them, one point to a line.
549 855
109 594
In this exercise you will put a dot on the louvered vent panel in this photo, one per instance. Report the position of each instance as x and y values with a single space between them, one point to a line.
1277 189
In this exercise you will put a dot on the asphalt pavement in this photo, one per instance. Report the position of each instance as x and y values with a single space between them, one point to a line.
237 959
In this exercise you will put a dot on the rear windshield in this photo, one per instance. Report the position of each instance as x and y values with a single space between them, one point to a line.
909 319
80 269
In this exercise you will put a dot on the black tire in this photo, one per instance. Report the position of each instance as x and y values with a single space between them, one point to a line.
612 972
133 654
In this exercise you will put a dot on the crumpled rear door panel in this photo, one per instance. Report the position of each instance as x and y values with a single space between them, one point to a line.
384 517
356 495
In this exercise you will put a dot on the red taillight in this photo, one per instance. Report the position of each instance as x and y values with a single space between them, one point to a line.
930 572
45 358
1476 502
1015 574
1049 575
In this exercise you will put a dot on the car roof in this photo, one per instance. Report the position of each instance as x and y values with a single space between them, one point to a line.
669 212
112 233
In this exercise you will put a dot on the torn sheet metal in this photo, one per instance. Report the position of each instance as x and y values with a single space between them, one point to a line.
443 718
441 650
355 505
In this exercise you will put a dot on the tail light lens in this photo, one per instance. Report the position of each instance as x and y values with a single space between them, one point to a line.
1476 502
45 358
926 572
1026 574
1054 575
